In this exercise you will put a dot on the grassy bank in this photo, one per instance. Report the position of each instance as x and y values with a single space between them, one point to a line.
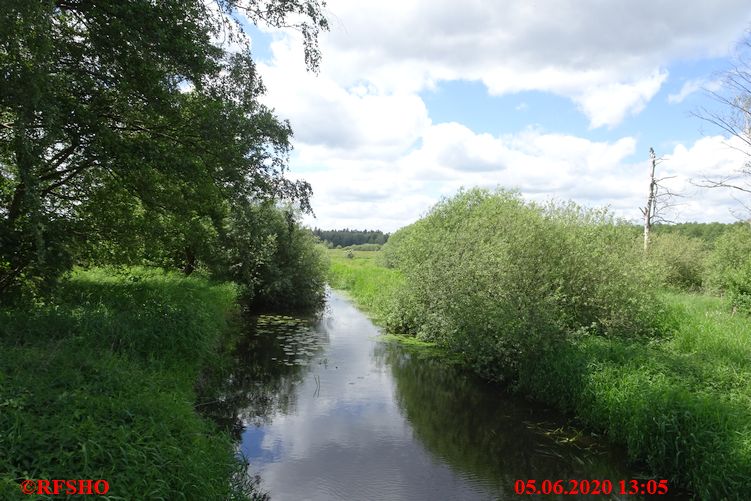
100 383
681 403
371 286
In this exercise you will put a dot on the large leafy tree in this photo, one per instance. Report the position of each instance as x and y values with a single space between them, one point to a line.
125 128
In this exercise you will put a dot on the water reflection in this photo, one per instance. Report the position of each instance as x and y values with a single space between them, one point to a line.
486 434
324 411
257 379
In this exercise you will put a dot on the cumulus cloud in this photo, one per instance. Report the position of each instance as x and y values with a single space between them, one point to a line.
365 140
544 164
589 51
354 119
609 104
389 194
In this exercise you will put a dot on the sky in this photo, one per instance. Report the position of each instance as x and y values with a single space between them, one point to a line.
559 99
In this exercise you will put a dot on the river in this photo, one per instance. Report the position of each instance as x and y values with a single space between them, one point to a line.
323 410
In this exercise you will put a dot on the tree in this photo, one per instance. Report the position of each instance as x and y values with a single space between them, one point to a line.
734 118
659 199
123 116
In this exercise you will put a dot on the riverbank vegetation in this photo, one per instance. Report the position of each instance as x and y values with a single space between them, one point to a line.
99 384
561 305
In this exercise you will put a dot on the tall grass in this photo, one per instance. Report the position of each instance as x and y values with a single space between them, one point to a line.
99 383
681 404
372 287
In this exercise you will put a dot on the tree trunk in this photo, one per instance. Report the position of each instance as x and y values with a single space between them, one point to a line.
190 261
649 210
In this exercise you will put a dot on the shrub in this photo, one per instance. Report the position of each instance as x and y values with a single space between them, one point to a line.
495 278
277 262
729 267
679 260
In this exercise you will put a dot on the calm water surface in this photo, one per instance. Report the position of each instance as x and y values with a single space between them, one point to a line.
330 413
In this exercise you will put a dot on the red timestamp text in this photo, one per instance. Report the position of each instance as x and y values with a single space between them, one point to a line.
592 487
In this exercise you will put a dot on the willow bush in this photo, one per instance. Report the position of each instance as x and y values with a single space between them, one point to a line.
729 267
498 279
679 260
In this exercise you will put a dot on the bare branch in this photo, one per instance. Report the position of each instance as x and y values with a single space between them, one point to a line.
734 120
709 183
664 178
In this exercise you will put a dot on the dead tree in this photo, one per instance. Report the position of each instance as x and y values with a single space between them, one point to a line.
660 199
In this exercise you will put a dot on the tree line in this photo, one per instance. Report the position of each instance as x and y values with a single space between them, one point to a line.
707 232
347 237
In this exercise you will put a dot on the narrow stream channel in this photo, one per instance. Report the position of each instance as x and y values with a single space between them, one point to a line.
331 413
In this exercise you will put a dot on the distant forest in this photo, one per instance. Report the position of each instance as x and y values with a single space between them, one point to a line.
709 232
347 237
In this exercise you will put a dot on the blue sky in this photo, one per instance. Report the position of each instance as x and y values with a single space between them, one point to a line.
558 99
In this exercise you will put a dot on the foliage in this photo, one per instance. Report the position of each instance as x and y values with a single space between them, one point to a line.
347 237
494 277
707 232
679 260
729 267
99 384
127 132
679 403
278 263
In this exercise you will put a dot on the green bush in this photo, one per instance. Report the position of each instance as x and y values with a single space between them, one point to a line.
679 260
494 277
729 267
276 262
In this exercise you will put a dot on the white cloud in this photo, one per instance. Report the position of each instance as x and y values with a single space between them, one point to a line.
692 86
365 139
609 104
538 164
389 194
587 50
355 120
